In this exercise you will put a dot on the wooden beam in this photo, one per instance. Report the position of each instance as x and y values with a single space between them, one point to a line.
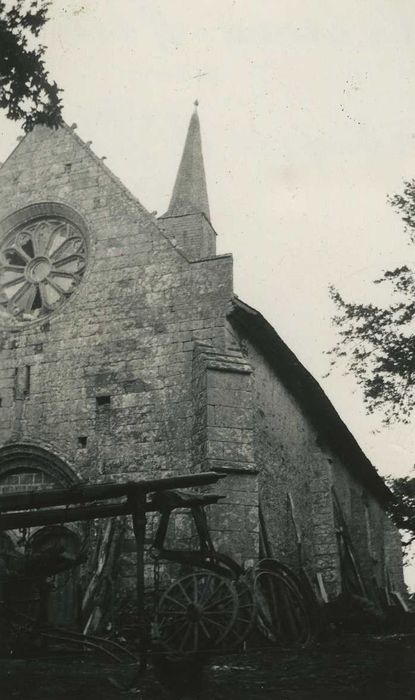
55 516
85 493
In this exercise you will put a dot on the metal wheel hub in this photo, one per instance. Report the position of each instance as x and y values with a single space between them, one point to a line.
194 612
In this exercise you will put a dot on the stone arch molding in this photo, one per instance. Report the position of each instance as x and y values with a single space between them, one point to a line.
39 209
25 458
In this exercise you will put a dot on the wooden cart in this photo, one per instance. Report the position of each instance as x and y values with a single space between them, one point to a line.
83 503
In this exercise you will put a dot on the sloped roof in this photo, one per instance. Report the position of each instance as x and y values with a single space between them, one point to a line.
310 396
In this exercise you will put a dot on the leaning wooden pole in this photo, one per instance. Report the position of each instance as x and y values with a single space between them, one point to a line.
137 503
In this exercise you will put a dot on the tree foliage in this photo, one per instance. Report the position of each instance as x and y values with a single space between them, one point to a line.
378 346
403 507
378 343
26 93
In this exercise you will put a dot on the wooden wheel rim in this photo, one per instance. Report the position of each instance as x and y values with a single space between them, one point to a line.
281 607
245 617
196 612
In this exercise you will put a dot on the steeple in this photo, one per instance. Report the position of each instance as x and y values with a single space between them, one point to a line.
190 191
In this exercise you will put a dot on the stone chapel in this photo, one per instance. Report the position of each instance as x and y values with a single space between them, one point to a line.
125 354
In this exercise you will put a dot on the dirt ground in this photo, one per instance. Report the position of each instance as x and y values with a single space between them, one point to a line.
349 666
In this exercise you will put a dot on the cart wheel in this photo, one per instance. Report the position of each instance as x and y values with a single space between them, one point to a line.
282 609
245 617
196 612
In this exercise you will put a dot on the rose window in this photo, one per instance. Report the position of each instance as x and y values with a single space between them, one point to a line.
42 263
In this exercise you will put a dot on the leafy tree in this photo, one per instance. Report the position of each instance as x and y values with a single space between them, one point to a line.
378 346
403 507
378 343
26 93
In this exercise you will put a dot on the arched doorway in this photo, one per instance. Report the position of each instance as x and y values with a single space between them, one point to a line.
30 468
63 599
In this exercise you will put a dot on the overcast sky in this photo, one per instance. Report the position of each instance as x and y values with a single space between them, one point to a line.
307 114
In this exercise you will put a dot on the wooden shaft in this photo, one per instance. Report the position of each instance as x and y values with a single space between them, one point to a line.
11 521
53 516
94 492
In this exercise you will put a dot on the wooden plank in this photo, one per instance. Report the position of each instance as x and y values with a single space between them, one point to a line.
90 593
294 519
97 599
322 588
348 554
398 598
298 537
263 534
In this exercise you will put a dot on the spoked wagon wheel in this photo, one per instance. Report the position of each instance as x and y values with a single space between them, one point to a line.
196 612
282 609
245 617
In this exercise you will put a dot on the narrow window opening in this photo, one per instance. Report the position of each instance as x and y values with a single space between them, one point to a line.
103 400
82 441
1 402
16 384
68 167
27 380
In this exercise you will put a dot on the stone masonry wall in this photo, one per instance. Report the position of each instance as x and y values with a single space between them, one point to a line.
297 473
192 234
294 484
376 540
126 334
223 441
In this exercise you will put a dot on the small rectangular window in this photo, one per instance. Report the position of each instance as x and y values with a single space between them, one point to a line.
82 441
103 400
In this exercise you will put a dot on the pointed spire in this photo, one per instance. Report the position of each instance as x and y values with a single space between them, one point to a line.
190 191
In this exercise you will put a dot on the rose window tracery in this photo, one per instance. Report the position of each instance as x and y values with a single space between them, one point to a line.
42 263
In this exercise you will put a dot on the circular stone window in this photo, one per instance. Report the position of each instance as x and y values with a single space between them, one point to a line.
42 263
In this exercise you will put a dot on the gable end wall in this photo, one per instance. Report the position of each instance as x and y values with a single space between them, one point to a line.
127 332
